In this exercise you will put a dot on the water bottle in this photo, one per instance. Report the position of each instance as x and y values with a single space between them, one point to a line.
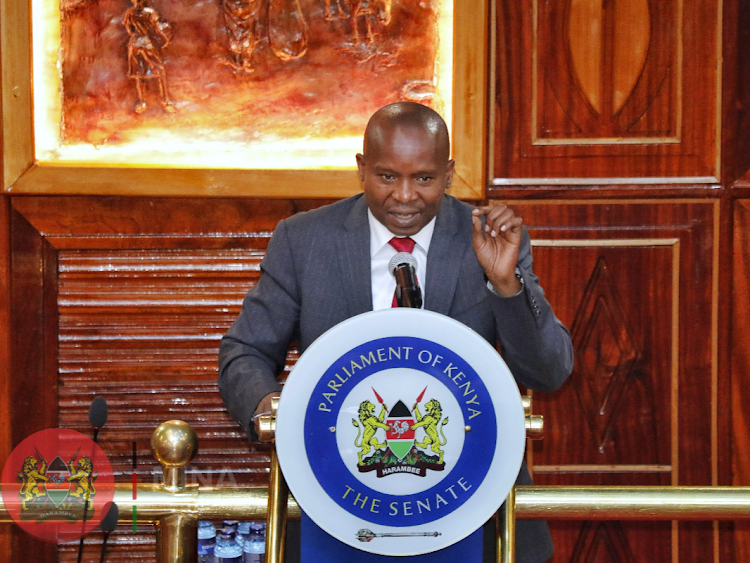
206 541
228 549
254 549
243 529
234 527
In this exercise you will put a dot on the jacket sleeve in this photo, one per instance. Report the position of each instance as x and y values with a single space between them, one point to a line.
534 343
253 351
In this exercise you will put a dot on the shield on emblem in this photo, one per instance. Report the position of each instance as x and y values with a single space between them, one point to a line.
400 436
57 486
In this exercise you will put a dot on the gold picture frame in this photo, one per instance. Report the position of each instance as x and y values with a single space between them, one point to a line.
23 174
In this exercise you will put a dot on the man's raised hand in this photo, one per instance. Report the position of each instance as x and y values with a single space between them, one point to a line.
497 245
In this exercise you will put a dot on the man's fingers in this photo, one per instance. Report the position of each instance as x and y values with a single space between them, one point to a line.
477 228
499 219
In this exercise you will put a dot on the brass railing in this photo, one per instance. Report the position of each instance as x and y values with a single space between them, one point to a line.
175 507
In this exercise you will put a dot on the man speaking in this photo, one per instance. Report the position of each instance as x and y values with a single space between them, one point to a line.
327 265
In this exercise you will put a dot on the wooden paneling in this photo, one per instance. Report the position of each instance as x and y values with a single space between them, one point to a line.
741 366
6 422
741 148
636 283
132 297
586 88
15 83
33 369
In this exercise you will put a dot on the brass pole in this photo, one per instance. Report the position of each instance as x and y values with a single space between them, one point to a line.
205 503
278 495
535 502
177 539
506 538
633 503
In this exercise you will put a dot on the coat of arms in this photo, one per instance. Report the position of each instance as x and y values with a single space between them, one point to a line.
58 490
390 442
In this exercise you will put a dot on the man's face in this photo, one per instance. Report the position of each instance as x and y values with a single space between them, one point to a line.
404 176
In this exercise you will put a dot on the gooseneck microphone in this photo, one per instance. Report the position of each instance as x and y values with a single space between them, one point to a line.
108 525
98 414
97 418
403 266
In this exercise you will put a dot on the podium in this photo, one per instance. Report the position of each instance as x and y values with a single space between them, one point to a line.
400 432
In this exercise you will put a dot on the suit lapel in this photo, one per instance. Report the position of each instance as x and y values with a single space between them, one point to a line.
444 258
353 249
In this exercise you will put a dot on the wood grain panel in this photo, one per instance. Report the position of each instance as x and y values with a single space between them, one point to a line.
133 296
579 96
6 422
142 328
740 362
33 370
619 405
659 259
740 148
606 73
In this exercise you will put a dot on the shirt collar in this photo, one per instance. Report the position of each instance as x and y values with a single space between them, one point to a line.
380 235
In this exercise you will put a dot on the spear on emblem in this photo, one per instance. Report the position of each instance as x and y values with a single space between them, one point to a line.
384 407
419 399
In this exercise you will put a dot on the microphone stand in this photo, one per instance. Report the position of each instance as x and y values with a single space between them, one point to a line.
408 293
97 418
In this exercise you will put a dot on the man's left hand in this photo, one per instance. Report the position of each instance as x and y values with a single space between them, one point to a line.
497 245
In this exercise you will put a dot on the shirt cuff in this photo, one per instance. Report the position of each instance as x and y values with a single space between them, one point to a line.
520 291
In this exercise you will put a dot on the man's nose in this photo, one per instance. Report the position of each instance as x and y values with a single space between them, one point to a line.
404 191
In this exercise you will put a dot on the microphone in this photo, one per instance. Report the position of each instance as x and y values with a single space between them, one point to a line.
403 266
108 525
98 414
97 418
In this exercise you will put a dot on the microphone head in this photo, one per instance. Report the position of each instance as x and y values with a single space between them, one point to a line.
400 259
98 412
110 520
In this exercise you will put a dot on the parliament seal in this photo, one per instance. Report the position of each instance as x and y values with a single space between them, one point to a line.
400 432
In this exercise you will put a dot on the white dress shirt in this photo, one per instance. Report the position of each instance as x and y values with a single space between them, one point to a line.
383 283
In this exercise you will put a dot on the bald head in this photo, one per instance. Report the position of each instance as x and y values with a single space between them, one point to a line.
405 169
407 115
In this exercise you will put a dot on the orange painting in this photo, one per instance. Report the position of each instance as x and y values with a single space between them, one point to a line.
232 83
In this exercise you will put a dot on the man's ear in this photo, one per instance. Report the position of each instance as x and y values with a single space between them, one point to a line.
361 166
449 173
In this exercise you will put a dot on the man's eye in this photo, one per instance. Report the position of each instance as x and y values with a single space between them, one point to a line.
388 177
424 179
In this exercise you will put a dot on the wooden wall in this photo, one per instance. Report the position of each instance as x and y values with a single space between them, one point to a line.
619 131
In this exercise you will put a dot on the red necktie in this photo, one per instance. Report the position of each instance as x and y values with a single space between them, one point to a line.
401 244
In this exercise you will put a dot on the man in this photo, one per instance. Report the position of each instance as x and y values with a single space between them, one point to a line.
324 266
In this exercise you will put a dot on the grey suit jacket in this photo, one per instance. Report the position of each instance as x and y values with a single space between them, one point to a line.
316 274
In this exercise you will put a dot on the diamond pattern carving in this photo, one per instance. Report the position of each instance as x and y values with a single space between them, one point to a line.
602 542
606 355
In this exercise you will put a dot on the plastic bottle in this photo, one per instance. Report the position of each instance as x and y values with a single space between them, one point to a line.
233 526
254 550
206 541
243 528
228 549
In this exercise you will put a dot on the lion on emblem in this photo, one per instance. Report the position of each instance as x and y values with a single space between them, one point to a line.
84 475
430 424
31 477
370 425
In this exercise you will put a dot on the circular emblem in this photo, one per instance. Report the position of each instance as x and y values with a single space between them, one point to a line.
57 484
400 431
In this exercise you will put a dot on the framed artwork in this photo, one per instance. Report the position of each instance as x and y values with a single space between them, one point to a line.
230 97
